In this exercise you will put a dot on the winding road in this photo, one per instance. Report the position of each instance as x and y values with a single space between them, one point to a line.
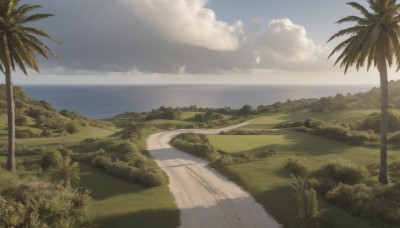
205 198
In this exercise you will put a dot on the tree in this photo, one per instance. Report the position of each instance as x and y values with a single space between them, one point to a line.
374 41
19 45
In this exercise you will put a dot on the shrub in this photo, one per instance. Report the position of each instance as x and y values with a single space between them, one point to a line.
226 160
307 203
394 138
72 127
313 123
296 168
376 202
360 138
25 133
30 202
196 144
51 158
149 176
20 120
373 122
341 171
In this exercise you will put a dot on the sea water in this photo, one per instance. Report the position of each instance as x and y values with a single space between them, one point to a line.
103 101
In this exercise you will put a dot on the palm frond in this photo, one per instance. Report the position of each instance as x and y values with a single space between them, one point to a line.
19 44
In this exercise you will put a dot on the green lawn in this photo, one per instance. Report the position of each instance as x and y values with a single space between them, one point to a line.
117 203
169 124
268 180
188 116
270 120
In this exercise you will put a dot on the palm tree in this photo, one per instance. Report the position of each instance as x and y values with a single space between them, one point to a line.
65 171
19 45
374 41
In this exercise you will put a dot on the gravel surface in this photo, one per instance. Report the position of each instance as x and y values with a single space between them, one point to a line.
205 198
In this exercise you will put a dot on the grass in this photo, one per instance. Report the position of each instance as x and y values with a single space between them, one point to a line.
117 203
270 120
188 116
169 124
268 180
88 132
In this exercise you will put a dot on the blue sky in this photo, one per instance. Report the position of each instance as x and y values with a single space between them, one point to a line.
194 41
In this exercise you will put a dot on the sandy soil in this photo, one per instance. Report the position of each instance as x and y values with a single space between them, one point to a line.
205 198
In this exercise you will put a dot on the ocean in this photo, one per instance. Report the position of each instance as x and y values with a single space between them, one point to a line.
103 101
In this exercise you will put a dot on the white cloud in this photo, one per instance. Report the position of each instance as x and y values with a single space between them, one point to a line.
188 22
288 42
172 37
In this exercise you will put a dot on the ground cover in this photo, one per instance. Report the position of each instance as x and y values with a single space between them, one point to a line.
268 180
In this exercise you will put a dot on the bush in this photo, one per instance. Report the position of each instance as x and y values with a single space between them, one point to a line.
50 159
20 120
313 123
341 171
30 202
73 127
149 176
373 122
307 203
394 138
376 202
196 144
25 133
296 168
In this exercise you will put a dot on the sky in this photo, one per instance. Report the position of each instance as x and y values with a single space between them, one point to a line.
193 42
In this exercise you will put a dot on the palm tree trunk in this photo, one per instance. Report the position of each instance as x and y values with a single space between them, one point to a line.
11 120
383 172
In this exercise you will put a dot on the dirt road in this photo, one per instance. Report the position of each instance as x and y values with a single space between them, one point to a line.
205 198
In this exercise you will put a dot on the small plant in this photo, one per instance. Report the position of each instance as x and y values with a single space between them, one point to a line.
307 202
296 168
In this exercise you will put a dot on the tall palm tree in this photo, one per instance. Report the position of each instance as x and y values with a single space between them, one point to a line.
374 41
19 45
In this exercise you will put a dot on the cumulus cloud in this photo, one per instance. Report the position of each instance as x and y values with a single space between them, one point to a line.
188 22
171 37
287 41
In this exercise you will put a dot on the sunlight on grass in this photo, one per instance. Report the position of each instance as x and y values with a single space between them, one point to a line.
117 202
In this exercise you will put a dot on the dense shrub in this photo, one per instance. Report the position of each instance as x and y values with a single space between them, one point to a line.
69 114
50 159
373 122
134 132
307 203
342 171
148 176
376 202
25 133
20 120
73 127
296 168
166 113
341 132
30 202
196 144
394 138
313 123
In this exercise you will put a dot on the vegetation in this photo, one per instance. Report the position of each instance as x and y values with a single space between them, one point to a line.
307 203
196 144
33 202
19 46
296 152
379 32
